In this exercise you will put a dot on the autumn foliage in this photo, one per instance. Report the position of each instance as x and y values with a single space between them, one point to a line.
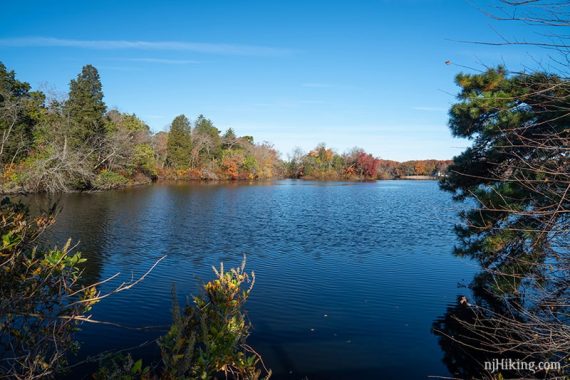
367 164
325 164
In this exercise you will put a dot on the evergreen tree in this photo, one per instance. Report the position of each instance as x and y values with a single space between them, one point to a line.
86 107
179 145
10 86
20 110
230 134
515 172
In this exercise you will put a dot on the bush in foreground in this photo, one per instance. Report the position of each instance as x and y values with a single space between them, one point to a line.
208 338
41 299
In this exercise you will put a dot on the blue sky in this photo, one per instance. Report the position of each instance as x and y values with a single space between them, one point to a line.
295 73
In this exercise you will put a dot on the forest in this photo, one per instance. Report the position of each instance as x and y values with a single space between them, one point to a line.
58 144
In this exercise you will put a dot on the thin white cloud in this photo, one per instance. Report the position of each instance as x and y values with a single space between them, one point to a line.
198 47
430 109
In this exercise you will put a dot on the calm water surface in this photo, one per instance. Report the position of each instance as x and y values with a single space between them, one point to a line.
350 276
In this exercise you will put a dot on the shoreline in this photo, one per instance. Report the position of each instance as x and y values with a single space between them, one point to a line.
217 181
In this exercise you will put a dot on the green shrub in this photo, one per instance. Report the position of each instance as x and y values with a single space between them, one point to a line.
208 338
107 180
143 158
122 367
41 300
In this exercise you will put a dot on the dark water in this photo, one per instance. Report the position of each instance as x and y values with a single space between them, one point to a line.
350 276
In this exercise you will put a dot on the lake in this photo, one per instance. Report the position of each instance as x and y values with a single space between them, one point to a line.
349 276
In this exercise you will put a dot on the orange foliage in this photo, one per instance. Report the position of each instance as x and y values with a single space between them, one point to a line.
230 166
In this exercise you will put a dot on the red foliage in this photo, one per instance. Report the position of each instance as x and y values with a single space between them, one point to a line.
367 164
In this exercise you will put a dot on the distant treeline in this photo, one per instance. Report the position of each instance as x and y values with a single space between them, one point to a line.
53 145
324 163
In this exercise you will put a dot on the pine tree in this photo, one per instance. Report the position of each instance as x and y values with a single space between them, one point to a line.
179 143
515 173
86 107
20 110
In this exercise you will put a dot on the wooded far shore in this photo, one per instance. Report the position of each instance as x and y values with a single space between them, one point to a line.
75 143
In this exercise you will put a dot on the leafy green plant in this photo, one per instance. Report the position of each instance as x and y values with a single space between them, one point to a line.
122 367
143 159
41 300
107 180
208 338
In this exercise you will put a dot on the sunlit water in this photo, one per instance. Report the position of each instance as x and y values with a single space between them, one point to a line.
349 276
